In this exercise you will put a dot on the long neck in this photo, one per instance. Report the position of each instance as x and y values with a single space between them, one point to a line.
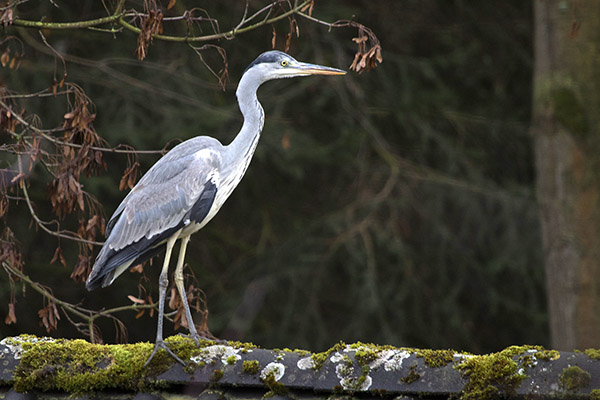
241 149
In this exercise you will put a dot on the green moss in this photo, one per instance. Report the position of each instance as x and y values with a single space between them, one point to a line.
76 366
594 354
320 358
275 387
216 376
574 378
595 394
365 369
436 358
365 355
300 352
412 376
491 375
231 359
529 352
250 367
243 346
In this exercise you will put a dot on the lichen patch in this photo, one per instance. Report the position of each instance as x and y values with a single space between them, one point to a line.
15 344
226 354
274 369
306 363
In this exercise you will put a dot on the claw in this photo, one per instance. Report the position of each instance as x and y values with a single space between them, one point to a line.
196 337
161 345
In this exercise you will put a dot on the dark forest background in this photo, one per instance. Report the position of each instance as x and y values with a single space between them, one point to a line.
396 206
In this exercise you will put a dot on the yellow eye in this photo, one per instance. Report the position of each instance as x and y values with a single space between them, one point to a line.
284 63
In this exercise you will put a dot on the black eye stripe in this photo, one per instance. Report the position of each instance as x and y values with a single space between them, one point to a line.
270 56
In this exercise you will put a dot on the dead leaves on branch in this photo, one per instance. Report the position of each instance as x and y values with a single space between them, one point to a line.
129 176
6 16
11 317
10 252
49 317
10 60
151 25
197 300
293 29
10 255
88 230
80 154
82 268
368 54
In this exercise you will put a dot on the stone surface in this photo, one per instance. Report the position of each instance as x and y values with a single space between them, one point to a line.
217 371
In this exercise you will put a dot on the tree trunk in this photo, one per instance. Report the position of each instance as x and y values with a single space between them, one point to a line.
566 131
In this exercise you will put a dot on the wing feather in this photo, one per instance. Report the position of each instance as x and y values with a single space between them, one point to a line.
161 201
152 208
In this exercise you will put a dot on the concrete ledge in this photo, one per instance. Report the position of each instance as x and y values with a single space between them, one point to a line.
45 367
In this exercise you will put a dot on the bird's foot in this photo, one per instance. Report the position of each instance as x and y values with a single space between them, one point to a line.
196 337
160 344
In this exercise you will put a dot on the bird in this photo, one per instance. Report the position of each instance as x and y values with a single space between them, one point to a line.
186 188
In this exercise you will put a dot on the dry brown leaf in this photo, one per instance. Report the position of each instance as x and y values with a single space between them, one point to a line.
150 301
5 57
138 268
129 176
151 25
173 300
14 62
82 268
360 39
171 4
310 7
58 255
11 318
49 317
6 18
136 300
4 203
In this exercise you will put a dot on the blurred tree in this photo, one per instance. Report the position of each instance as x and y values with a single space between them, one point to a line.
566 128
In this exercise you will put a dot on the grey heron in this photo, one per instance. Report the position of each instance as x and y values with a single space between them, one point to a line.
186 188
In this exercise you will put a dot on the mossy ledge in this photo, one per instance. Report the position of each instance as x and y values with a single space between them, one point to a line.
77 366
491 376
574 378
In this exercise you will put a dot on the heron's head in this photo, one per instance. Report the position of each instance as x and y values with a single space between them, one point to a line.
276 64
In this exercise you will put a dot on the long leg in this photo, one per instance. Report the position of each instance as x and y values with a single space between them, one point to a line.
181 288
163 282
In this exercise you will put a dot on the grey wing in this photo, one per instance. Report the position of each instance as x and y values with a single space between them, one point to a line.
178 187
163 198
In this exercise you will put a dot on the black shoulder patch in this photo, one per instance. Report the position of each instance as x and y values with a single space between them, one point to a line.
202 206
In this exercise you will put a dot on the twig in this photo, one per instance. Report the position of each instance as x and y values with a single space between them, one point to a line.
75 310
42 224
44 134
85 314
70 25
120 18
224 35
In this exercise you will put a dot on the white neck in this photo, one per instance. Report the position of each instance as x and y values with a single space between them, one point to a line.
241 149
